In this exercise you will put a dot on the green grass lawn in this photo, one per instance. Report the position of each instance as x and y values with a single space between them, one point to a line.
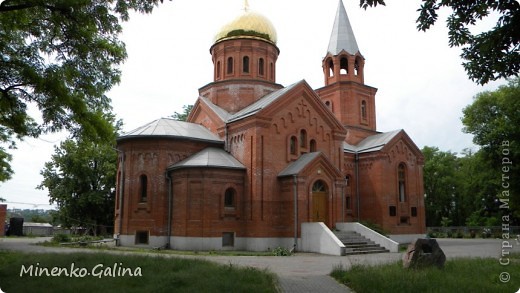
158 274
459 275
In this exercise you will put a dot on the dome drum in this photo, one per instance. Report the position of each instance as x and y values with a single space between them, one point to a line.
244 59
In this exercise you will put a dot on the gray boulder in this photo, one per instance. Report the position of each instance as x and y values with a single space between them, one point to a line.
424 253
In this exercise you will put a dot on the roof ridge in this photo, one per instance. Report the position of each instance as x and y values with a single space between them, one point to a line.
262 103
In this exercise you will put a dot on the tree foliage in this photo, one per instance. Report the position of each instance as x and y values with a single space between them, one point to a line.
81 179
186 109
494 118
489 55
440 184
59 57
462 189
479 188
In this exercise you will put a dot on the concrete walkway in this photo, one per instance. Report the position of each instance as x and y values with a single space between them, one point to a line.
302 272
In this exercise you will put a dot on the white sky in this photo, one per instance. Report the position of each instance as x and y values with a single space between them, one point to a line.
422 86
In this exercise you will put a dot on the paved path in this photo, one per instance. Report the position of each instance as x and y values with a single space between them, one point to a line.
302 272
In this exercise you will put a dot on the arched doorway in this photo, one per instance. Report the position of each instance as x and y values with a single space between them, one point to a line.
320 210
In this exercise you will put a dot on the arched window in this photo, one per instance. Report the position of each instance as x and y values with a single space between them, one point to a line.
401 175
331 68
364 110
229 198
329 105
319 186
343 66
312 145
261 66
218 70
245 64
230 65
292 146
143 188
303 138
357 66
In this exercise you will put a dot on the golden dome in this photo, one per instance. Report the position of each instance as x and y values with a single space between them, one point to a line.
249 24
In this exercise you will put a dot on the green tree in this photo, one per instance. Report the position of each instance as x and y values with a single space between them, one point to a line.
479 185
441 186
186 109
489 55
61 57
494 118
81 179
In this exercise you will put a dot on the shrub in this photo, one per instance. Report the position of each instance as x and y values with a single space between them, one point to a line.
486 233
59 238
281 251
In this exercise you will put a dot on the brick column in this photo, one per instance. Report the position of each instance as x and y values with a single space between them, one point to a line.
3 214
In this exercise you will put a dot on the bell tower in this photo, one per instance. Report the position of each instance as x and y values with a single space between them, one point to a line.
244 60
345 92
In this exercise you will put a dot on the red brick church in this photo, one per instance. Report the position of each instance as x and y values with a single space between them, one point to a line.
256 159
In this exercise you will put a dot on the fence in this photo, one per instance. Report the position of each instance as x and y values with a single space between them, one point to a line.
473 232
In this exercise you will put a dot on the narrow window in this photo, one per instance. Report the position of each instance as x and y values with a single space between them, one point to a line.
218 70
141 237
245 64
303 138
293 144
343 66
312 145
393 211
402 183
364 110
331 68
230 65
261 66
414 211
229 198
143 188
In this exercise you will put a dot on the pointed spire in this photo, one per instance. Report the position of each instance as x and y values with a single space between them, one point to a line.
246 6
342 37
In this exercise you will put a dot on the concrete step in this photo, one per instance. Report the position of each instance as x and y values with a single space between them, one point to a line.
365 252
358 244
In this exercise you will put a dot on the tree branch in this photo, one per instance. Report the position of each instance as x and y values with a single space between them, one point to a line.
5 7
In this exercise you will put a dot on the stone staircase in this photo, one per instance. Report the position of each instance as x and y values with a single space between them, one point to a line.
355 243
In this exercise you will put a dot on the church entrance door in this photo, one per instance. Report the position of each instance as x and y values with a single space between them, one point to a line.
319 202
